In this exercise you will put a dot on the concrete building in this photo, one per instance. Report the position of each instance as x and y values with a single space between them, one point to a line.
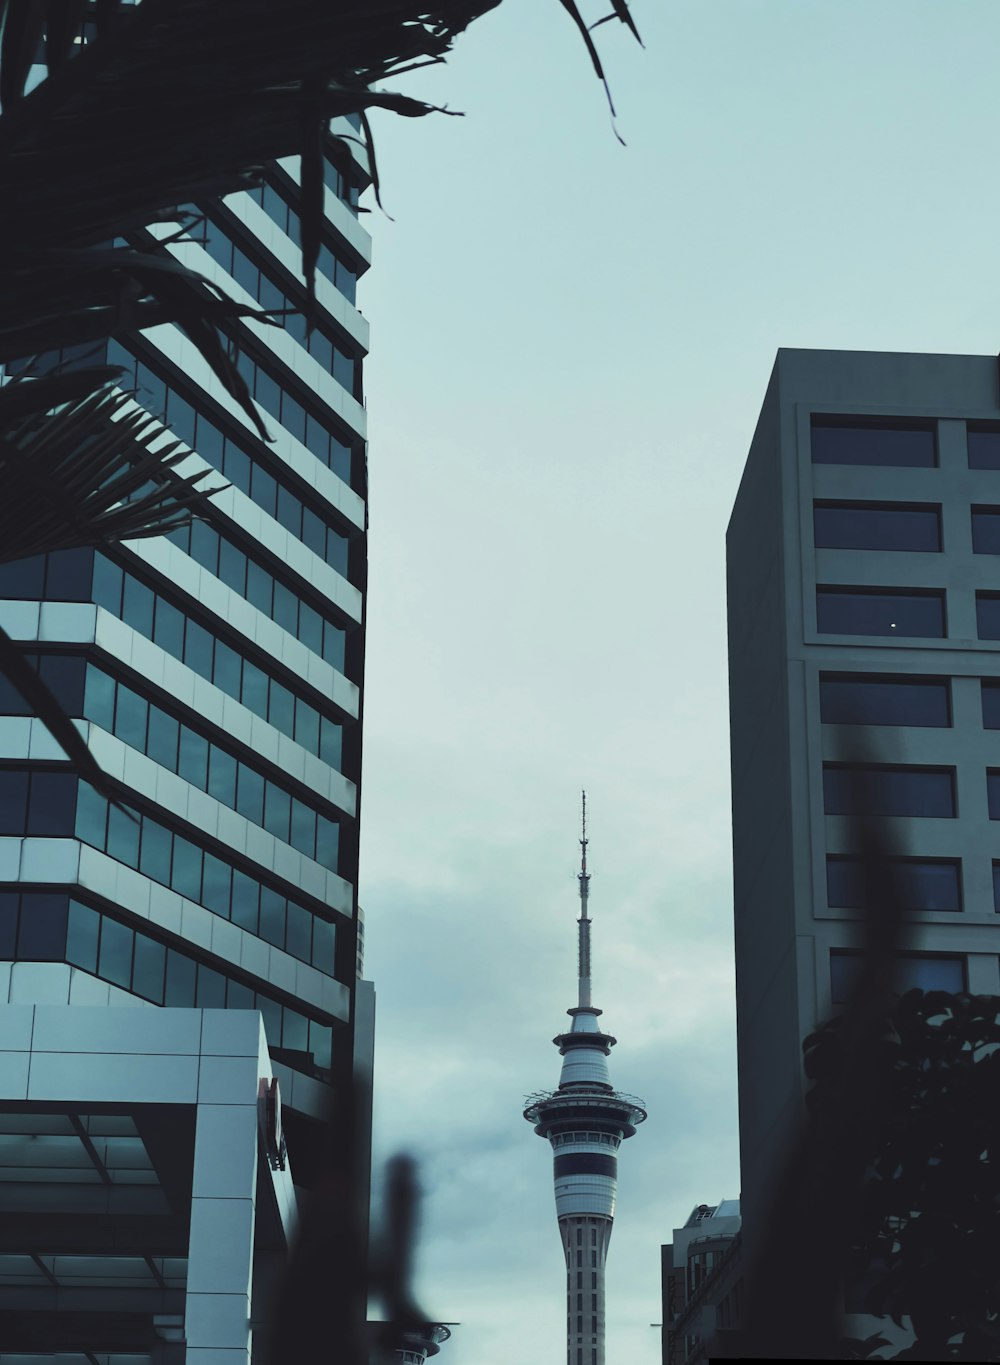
864 591
702 1283
586 1120
217 674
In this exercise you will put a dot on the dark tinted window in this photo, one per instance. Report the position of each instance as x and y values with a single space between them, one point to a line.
13 801
988 616
874 790
8 924
857 440
984 447
986 530
53 804
42 932
854 611
993 794
915 972
873 700
991 705
922 883
68 575
867 526
64 673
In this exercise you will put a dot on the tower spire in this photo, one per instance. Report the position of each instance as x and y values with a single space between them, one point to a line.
586 1120
583 877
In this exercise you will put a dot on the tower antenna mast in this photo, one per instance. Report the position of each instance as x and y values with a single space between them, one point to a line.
583 877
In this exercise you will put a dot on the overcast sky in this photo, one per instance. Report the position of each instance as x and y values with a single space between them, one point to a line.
570 345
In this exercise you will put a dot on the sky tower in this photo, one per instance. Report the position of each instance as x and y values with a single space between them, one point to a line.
586 1120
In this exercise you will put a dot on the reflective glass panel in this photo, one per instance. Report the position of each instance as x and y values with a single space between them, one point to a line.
154 852
277 811
193 761
298 932
246 901
131 714
116 952
250 794
99 699
123 836
216 887
163 738
137 606
222 776
272 916
107 585
260 588
81 936
186 874
198 648
168 628
180 979
149 968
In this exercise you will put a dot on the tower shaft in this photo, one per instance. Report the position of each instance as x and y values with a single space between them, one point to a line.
585 1243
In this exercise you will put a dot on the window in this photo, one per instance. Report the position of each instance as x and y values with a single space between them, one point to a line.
876 526
988 615
873 441
876 790
915 971
42 934
869 611
983 442
990 692
993 794
922 883
872 699
52 810
986 530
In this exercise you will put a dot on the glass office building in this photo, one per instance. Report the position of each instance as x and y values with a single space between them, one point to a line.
218 675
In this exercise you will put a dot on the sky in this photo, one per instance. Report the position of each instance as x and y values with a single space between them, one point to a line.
571 340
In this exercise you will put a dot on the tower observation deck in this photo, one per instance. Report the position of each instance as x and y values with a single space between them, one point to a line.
586 1120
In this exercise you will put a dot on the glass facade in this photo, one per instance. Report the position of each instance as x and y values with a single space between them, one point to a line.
262 873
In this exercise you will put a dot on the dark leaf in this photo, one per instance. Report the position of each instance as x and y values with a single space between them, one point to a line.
43 703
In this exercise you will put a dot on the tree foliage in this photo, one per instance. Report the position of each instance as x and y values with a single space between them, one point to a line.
928 1226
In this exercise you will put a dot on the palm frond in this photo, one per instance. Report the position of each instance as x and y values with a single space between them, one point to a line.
43 703
78 474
